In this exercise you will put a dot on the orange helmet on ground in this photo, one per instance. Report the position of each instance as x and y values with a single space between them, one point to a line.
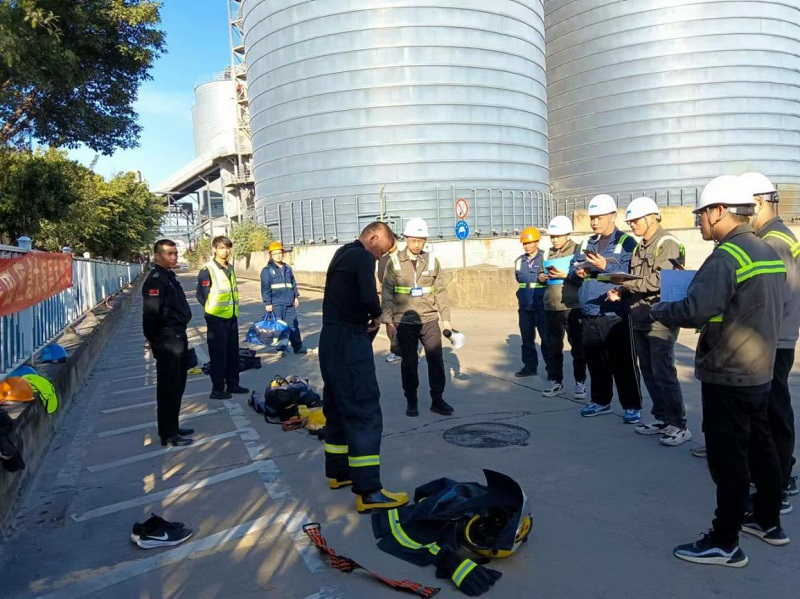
275 246
528 235
15 388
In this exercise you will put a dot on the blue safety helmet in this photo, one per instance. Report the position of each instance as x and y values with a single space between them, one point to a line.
22 371
53 352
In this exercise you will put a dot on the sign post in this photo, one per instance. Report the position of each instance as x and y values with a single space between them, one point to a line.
461 209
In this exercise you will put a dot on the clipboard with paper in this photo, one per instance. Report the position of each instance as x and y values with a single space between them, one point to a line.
561 264
675 283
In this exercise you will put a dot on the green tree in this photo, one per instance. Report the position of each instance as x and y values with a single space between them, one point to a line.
70 71
37 186
249 237
113 219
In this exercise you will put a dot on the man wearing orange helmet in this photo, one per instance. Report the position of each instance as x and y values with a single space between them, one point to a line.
279 293
530 296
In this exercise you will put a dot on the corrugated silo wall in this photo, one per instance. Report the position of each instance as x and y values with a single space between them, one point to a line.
663 95
214 116
446 99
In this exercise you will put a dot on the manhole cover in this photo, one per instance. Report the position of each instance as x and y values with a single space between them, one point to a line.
487 434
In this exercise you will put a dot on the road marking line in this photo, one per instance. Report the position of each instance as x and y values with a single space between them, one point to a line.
148 403
158 452
146 425
130 570
135 389
172 493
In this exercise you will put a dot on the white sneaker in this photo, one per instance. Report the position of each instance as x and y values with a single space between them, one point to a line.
555 389
393 358
674 436
652 428
580 391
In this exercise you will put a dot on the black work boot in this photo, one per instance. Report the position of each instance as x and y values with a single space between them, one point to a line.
411 407
440 406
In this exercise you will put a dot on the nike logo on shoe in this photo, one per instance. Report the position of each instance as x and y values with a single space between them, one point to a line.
163 537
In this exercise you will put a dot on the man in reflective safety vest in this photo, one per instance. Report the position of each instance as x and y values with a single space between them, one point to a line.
736 300
530 296
218 294
279 294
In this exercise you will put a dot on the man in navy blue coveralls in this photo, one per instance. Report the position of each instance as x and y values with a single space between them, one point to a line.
279 293
351 397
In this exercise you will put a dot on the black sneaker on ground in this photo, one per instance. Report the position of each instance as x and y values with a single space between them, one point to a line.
164 536
773 535
220 395
183 432
151 523
791 488
177 441
301 350
238 389
525 372
708 551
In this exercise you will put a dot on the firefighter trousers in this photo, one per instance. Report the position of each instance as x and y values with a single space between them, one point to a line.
351 404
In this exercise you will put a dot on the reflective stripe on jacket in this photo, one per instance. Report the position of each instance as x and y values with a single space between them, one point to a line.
278 285
223 295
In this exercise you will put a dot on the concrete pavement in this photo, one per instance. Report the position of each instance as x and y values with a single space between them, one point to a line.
608 505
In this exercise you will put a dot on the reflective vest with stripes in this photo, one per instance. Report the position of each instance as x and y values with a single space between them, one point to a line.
223 295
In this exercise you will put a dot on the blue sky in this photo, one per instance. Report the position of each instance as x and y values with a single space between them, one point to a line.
198 47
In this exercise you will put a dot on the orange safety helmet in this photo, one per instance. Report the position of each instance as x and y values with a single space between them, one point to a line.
15 388
275 246
528 235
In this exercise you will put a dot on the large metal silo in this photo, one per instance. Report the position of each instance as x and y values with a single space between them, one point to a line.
666 94
423 101
214 117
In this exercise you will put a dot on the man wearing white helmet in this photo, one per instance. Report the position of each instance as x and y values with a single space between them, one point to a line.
607 343
562 312
769 227
414 296
654 342
736 300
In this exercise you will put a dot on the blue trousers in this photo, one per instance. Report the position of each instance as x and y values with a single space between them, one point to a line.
288 314
531 321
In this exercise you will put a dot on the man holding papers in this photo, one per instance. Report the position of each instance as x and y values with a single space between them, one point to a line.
562 311
736 299
655 343
607 342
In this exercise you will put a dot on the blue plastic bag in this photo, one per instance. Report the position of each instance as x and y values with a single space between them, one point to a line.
270 332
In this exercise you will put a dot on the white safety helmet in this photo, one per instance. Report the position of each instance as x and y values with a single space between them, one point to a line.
560 225
725 190
416 227
602 204
758 185
641 207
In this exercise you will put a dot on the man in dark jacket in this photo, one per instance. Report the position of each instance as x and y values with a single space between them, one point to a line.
654 342
351 397
736 299
530 297
279 294
164 318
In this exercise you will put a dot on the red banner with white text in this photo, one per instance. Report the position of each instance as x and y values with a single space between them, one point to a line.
29 279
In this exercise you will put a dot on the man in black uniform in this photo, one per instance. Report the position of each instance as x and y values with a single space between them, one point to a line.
165 316
351 397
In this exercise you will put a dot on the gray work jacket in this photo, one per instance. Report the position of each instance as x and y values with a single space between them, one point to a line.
401 278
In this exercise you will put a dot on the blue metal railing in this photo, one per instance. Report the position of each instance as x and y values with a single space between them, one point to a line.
93 281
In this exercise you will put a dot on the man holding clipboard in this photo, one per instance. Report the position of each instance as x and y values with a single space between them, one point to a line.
655 342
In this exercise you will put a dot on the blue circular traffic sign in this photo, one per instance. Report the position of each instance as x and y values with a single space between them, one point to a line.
462 229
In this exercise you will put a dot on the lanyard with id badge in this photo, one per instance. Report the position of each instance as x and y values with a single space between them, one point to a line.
416 290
